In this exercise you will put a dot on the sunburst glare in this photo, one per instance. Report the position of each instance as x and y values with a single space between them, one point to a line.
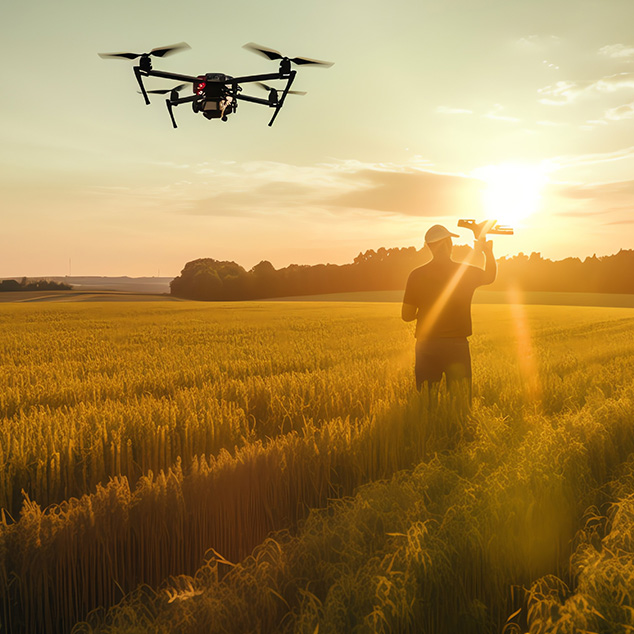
512 191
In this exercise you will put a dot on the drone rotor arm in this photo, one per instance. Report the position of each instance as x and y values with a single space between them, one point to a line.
264 102
254 78
164 91
188 79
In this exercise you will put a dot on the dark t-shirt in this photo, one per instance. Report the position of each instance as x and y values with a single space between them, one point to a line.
442 291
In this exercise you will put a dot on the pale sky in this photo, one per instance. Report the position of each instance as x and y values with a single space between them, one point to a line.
433 111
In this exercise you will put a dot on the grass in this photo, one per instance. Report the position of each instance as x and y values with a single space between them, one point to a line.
488 297
184 427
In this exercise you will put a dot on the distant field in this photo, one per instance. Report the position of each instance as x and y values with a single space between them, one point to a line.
82 296
484 297
145 434
481 297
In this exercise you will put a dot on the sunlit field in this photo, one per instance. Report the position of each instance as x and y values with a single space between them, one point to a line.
268 467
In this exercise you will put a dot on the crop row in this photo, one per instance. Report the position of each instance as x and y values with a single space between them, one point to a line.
459 543
350 417
89 394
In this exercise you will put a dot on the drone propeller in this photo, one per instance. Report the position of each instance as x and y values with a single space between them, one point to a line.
270 88
272 54
164 91
161 51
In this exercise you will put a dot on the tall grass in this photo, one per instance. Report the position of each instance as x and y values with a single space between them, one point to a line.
470 518
93 392
449 546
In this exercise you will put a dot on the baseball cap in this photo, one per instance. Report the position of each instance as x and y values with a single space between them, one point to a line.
438 232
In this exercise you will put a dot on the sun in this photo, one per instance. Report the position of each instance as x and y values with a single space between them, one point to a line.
512 191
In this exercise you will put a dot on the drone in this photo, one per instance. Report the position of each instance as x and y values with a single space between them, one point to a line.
216 95
480 229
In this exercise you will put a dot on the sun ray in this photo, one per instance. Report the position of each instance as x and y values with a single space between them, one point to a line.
512 191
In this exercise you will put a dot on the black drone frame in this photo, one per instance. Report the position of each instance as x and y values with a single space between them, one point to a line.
217 95
229 87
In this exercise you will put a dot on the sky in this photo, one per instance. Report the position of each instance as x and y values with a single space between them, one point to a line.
433 111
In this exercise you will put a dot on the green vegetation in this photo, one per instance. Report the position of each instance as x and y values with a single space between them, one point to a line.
159 432
24 284
387 269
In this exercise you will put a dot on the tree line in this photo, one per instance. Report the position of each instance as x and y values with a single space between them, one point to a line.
388 269
33 285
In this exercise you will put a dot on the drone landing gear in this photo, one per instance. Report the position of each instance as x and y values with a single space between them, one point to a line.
170 109
280 103
137 74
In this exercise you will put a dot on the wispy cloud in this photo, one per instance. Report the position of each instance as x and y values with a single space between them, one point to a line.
448 110
496 114
565 92
620 190
609 203
413 193
618 51
625 111
566 161
538 42
550 124
339 187
625 221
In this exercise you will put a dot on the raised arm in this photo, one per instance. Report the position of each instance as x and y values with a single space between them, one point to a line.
490 265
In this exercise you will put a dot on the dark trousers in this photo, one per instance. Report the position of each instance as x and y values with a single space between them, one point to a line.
444 355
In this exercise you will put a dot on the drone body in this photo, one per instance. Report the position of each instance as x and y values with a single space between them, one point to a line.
216 95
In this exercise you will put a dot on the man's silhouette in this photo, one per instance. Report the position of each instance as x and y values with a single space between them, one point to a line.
438 296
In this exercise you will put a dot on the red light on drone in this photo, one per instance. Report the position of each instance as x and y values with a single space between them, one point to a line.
199 88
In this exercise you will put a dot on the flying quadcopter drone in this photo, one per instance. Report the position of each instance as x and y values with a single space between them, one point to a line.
216 95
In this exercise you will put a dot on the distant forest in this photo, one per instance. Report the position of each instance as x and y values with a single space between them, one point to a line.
387 269
33 285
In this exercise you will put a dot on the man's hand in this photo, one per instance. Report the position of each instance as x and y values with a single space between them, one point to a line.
483 246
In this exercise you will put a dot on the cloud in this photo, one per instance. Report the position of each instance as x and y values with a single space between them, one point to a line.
448 110
625 111
254 201
626 221
565 92
617 51
549 124
563 162
538 42
413 193
495 114
354 188
606 203
596 199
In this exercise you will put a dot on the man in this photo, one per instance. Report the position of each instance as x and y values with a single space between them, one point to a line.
438 296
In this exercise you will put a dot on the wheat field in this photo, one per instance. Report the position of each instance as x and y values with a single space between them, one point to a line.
148 449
